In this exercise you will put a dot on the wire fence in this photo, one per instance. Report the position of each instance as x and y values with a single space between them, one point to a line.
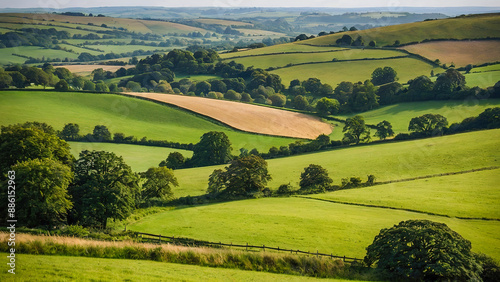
158 238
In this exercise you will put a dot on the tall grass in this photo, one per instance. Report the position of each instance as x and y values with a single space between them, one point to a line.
263 261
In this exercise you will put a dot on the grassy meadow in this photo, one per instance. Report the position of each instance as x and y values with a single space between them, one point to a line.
303 224
470 195
390 161
65 268
121 114
280 48
335 72
138 157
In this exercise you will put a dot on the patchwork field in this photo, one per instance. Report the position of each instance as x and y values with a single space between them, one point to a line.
468 27
335 72
264 120
390 161
121 114
138 157
460 53
303 224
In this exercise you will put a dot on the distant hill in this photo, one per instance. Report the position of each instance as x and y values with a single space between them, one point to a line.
464 27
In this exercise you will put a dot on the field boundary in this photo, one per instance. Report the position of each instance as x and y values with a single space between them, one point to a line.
284 53
158 238
413 210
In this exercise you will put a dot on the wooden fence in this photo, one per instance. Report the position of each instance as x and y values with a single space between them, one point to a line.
158 238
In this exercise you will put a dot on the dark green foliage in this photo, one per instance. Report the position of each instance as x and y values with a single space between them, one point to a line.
174 160
101 133
491 269
423 250
449 81
285 189
278 100
363 97
420 89
18 79
389 93
326 106
345 40
356 130
384 130
232 95
428 124
214 148
300 102
88 85
383 75
158 183
244 176
104 187
315 178
62 85
22 142
70 132
44 195
5 80
100 86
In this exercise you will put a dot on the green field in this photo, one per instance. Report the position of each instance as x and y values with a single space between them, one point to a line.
64 268
305 224
6 56
285 59
121 114
471 195
386 161
335 72
472 27
140 158
289 47
127 48
482 79
195 77
399 115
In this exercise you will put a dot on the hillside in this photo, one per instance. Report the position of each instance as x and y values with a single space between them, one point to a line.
247 117
466 27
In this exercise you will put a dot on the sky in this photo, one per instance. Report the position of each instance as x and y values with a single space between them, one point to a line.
59 4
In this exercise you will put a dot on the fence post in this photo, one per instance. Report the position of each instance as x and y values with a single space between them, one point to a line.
246 248
278 249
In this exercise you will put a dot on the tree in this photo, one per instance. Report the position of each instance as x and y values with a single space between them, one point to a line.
345 40
62 85
314 177
5 80
133 86
384 130
383 75
389 93
70 131
158 182
214 148
278 100
326 106
88 85
354 129
18 79
101 133
100 86
202 87
428 124
449 81
104 187
44 195
300 102
243 176
174 160
420 89
232 95
22 142
422 250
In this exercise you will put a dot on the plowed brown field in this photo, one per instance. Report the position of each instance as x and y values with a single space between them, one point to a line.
461 53
247 117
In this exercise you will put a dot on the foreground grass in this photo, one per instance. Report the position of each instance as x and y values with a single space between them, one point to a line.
138 157
474 195
399 115
390 161
224 258
121 114
63 268
304 224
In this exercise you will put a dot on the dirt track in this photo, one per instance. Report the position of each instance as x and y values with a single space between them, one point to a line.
247 117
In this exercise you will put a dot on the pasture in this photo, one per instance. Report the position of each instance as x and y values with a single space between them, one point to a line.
460 53
303 224
6 56
482 79
264 120
55 268
281 60
471 195
390 161
467 27
138 157
399 115
281 48
335 72
127 115
223 22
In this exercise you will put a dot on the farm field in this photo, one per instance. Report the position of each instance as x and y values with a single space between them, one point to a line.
335 72
87 69
281 60
223 22
460 53
259 32
128 48
6 56
468 27
127 115
195 77
399 115
390 161
303 224
264 120
471 195
138 157
281 48
37 267
482 79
